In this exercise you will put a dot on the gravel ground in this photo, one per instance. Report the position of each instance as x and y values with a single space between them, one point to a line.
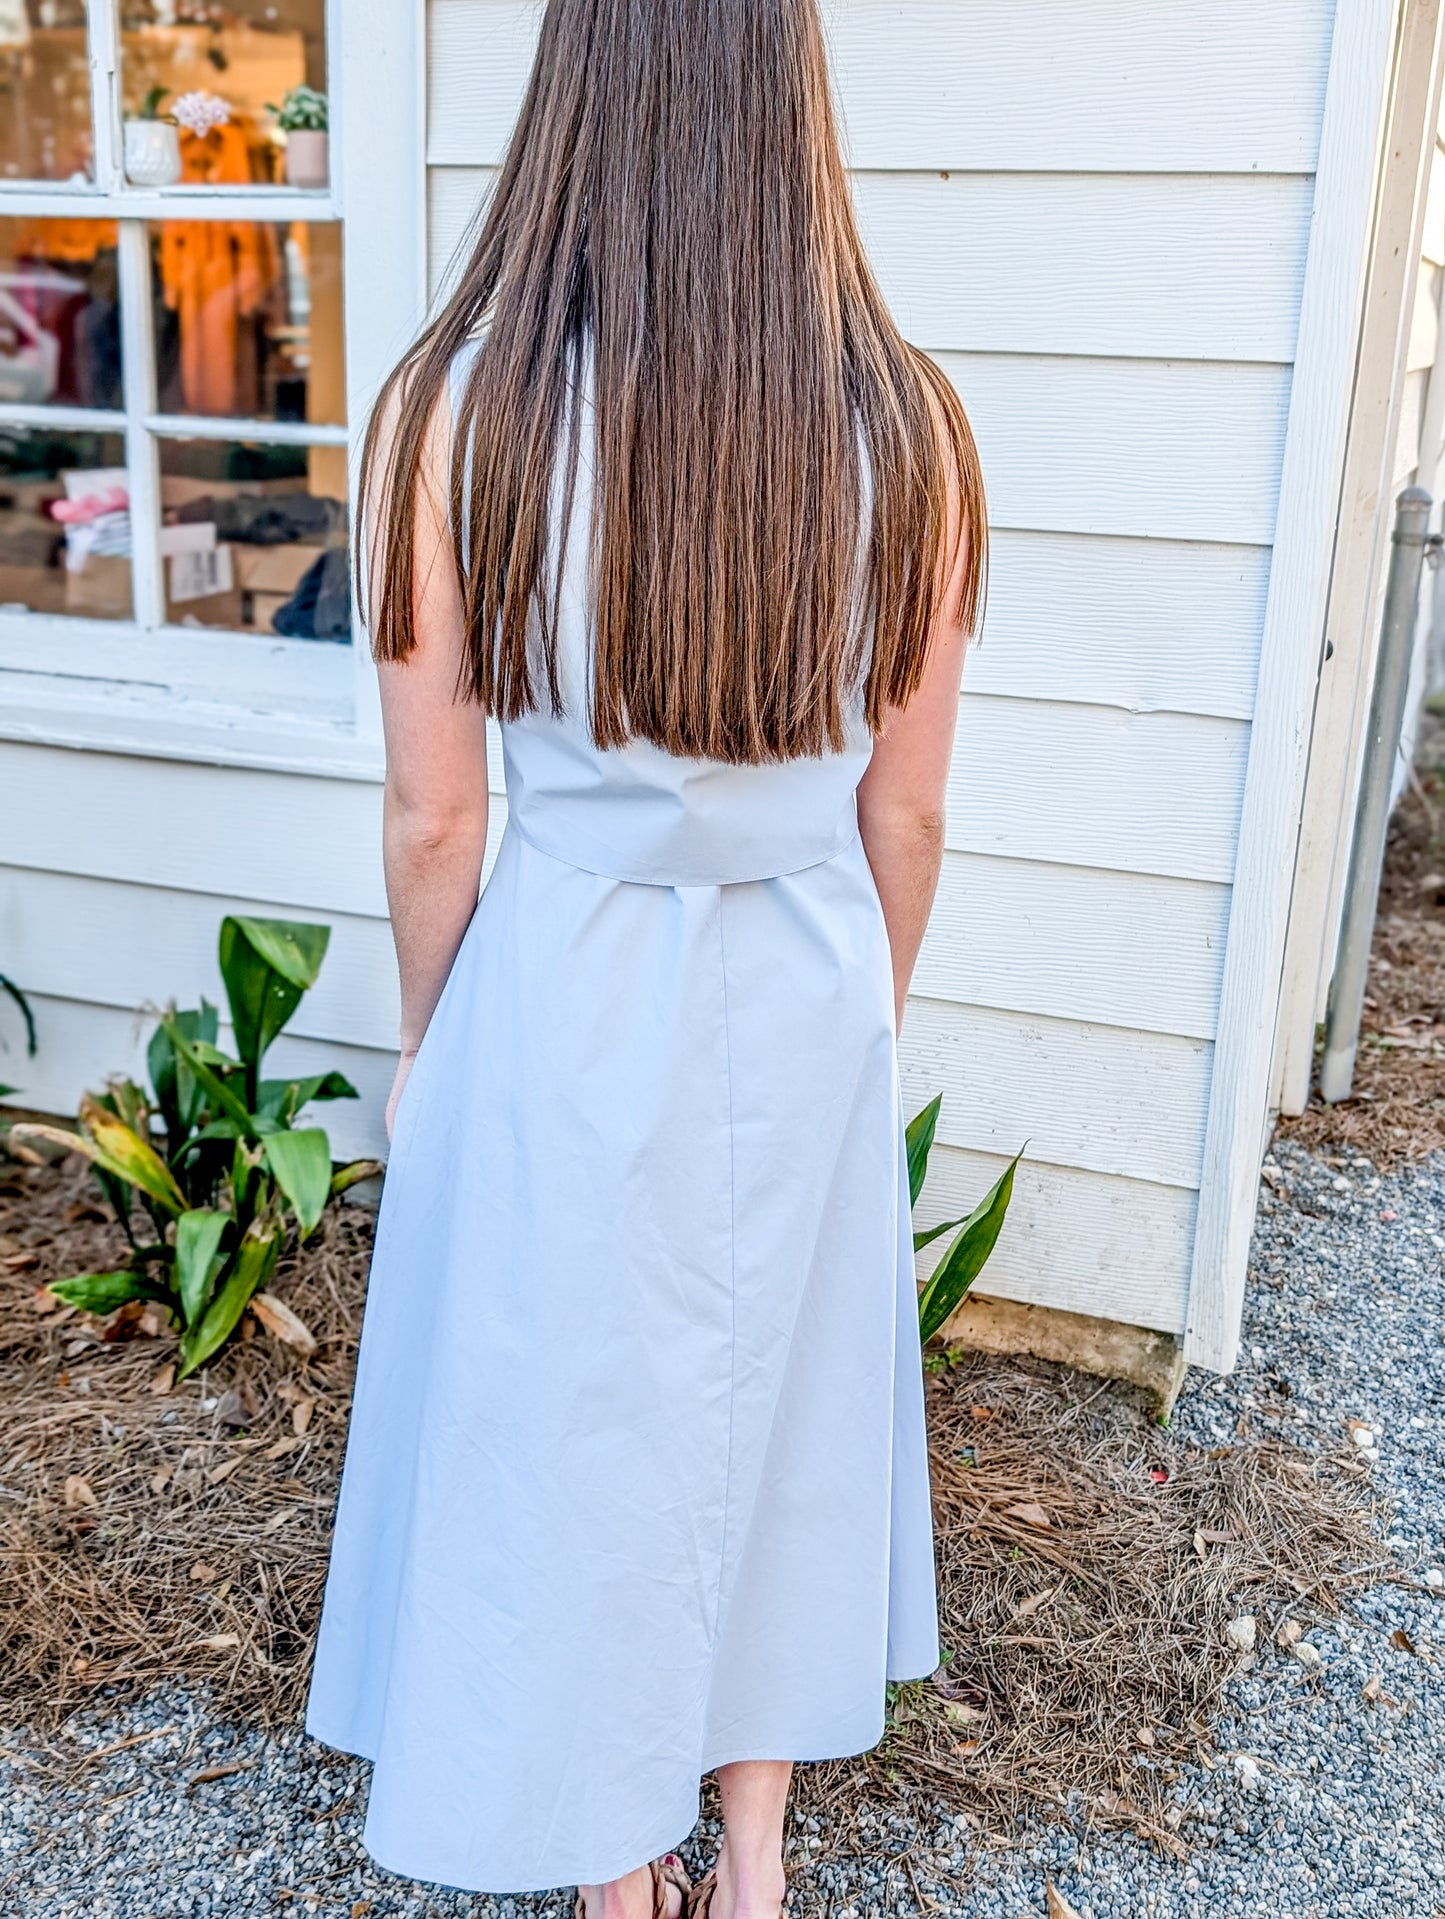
1326 1800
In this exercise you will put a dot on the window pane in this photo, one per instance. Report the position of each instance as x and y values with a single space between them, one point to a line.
59 313
64 523
247 56
254 537
248 319
44 91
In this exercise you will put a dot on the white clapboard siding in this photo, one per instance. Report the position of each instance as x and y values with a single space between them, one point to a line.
1041 85
95 939
1105 1098
278 838
1086 1242
1084 786
83 1044
1078 785
1138 265
1142 265
1149 625
1091 786
1121 948
1065 940
1155 449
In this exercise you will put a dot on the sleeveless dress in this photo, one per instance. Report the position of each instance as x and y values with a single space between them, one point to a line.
636 1481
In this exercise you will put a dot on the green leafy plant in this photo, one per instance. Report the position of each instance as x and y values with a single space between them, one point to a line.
977 1234
211 1155
302 110
150 107
13 993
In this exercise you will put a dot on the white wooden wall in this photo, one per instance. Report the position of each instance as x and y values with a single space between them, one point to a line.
1095 212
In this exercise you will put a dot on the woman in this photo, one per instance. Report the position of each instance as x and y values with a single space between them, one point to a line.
636 1486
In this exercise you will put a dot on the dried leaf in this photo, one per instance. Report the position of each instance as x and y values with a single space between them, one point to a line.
203 1573
160 1480
279 1448
42 1300
1290 1633
225 1469
1034 1600
154 1320
1402 1642
163 1378
208 1773
1031 1513
279 1320
78 1492
220 1642
960 1714
1372 1689
19 1262
1059 1907
301 1415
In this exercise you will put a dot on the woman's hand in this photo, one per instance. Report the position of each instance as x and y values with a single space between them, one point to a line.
403 1074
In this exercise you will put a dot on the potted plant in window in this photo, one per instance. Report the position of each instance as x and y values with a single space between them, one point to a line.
303 117
152 144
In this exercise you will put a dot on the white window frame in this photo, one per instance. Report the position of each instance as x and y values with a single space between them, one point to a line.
146 685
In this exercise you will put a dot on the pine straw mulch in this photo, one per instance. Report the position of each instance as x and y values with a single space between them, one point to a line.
1089 1559
1397 1112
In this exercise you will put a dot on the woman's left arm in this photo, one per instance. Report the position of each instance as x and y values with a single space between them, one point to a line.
434 822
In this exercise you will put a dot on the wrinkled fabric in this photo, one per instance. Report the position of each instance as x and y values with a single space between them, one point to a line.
637 1480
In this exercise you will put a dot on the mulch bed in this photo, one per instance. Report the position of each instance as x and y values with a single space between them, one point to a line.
1397 1112
1089 1559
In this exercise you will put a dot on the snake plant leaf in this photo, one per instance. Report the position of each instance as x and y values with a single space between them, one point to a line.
919 1140
966 1257
931 1233
198 1259
300 1164
101 1293
220 1092
254 1262
359 1169
282 1099
122 1151
179 1096
267 965
22 1005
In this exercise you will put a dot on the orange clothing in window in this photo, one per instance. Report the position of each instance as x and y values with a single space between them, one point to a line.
215 274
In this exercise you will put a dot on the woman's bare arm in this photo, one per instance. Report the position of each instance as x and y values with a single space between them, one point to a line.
902 796
434 823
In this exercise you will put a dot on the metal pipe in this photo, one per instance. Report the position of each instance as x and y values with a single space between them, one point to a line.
1372 814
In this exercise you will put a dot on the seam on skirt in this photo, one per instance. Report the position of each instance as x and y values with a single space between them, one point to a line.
732 1272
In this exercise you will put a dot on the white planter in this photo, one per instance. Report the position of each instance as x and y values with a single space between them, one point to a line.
306 163
152 153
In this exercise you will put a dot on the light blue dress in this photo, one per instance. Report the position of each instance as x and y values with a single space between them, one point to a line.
636 1481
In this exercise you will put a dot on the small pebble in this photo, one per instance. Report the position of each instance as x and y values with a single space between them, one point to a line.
1242 1632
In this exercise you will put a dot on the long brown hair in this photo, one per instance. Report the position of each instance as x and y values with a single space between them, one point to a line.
772 460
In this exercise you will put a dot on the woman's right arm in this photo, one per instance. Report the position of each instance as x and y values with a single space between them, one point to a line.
903 795
434 819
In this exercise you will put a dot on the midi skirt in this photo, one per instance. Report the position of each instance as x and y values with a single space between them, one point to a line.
636 1482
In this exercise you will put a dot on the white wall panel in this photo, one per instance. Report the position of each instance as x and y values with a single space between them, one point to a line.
1042 85
1102 1098
1139 265
1085 1242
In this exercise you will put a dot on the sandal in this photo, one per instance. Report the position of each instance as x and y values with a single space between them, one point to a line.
699 1902
667 1871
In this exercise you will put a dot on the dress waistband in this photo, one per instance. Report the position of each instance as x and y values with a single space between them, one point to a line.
696 865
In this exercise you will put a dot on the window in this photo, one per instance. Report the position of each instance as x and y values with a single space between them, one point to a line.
173 424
